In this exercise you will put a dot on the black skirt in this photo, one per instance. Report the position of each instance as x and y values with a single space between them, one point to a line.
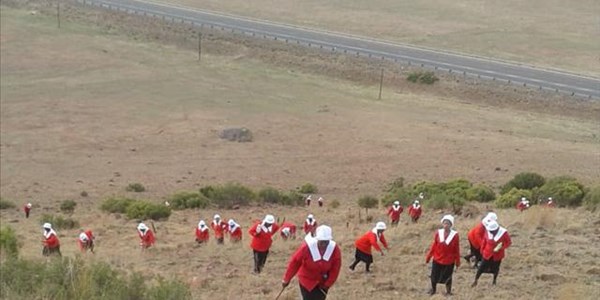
490 266
442 273
364 257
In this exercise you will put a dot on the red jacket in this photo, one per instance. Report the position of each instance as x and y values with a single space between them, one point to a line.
522 206
445 249
147 239
220 228
26 208
310 227
52 241
476 235
236 234
490 242
202 236
368 240
415 212
313 267
395 213
289 225
261 241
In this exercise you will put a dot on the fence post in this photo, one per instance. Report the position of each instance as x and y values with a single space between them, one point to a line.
380 84
58 13
200 44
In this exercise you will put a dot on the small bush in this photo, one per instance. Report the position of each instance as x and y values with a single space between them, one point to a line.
116 205
207 191
186 200
592 199
334 203
511 198
438 201
398 183
5 204
135 187
292 198
367 202
428 188
169 289
68 206
308 188
143 210
402 194
427 77
9 245
230 195
480 193
565 190
59 222
270 195
524 181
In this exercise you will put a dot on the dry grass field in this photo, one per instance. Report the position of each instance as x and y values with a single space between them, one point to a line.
556 34
86 109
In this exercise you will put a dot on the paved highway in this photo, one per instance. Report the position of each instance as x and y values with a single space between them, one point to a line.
568 83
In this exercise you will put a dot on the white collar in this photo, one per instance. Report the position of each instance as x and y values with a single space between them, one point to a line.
396 208
203 229
236 226
314 250
266 229
499 234
416 205
374 230
449 238
217 223
311 223
49 233
143 233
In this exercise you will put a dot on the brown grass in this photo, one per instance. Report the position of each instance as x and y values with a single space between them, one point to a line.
86 109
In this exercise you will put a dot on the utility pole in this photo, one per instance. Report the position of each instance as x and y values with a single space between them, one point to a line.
380 84
199 45
58 13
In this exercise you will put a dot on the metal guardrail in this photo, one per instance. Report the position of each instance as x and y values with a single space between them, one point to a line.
349 50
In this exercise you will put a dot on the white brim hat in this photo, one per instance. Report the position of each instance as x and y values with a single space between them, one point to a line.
324 233
448 218
380 226
491 225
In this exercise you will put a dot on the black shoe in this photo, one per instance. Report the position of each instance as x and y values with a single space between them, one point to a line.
431 292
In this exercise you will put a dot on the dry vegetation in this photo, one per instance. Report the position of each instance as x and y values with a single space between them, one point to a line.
89 109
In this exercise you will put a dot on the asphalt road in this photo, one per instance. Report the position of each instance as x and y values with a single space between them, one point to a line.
536 78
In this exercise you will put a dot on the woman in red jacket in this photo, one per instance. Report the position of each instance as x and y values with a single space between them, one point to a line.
317 264
235 231
310 225
476 235
394 212
51 242
146 236
86 241
288 231
220 228
262 238
492 250
364 244
202 234
445 252
415 211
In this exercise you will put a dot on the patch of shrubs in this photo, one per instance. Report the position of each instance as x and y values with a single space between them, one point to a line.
184 200
5 204
135 187
480 193
524 181
334 203
116 205
564 190
270 195
367 202
438 195
9 246
70 278
59 222
68 206
136 209
511 198
308 188
229 195
591 200
427 77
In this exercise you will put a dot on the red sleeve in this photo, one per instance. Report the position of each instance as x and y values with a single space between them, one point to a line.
401 209
336 264
294 263
390 211
252 230
373 241
431 249
507 240
150 237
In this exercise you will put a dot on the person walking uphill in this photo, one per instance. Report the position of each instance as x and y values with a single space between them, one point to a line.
202 234
394 212
146 236
492 250
445 251
317 264
220 228
235 231
476 236
262 238
310 225
86 241
27 210
415 211
364 244
51 242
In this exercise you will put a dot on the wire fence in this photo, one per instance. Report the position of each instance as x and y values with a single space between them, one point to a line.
325 46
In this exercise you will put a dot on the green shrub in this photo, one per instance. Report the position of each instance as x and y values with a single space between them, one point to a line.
68 206
308 188
480 193
428 188
59 222
186 200
169 290
592 199
334 203
270 195
230 195
207 191
9 245
116 205
143 210
5 204
135 187
404 195
427 77
292 198
511 198
367 202
564 190
524 181
438 201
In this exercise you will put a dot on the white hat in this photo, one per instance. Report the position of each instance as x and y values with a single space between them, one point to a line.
201 223
286 231
550 198
421 195
492 216
449 218
142 227
380 226
396 202
29 205
324 233
216 217
231 222
523 199
491 225
310 216
47 226
269 219
416 201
